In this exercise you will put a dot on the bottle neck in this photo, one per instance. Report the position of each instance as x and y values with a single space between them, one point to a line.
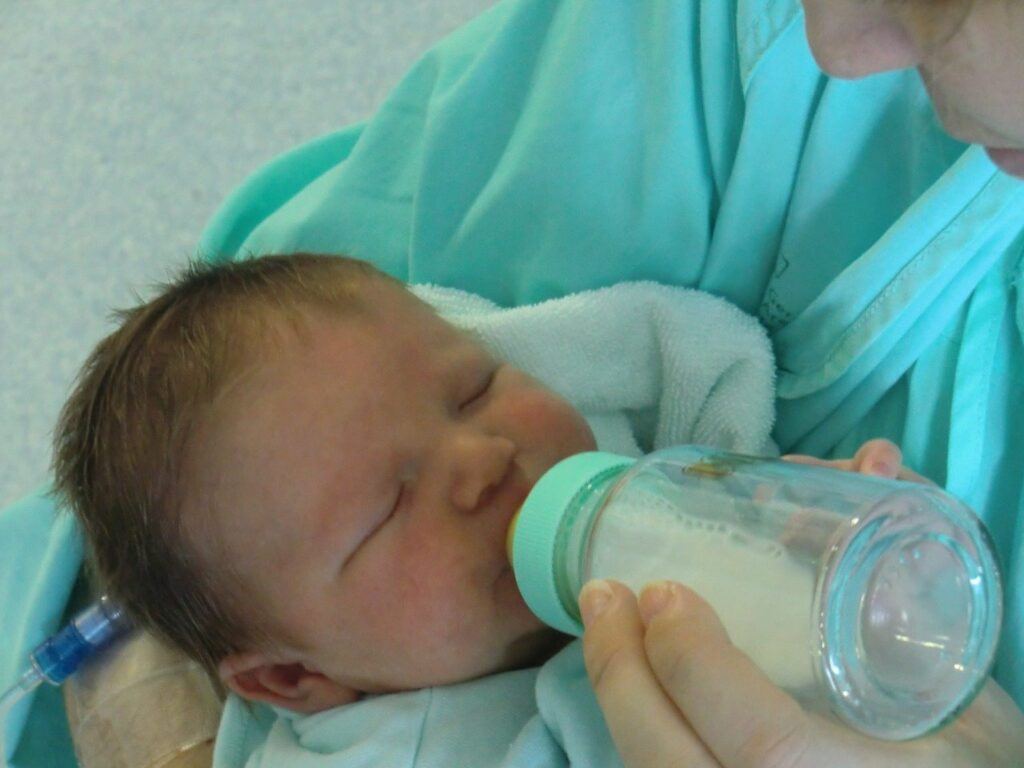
574 533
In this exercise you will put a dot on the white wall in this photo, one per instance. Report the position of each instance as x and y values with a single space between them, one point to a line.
123 124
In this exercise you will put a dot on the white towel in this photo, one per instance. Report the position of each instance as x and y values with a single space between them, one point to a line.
648 365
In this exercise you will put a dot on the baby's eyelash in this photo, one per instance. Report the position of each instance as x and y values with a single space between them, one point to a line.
383 519
481 390
399 499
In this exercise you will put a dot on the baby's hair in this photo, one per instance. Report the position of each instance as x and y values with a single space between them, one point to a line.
122 436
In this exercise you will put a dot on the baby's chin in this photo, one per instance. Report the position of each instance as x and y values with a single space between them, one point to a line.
533 649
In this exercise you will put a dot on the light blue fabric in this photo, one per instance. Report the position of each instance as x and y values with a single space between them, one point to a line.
467 724
41 553
547 717
555 146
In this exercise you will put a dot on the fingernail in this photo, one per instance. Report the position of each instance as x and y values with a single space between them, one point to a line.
654 599
884 469
595 597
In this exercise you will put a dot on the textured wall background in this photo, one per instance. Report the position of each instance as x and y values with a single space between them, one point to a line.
123 124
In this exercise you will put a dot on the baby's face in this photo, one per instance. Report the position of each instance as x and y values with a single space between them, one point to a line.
363 479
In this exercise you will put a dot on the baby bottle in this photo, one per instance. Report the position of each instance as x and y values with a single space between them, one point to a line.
876 598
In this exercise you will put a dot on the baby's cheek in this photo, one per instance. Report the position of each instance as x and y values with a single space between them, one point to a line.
434 592
547 419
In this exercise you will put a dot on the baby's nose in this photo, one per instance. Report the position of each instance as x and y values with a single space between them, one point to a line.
479 463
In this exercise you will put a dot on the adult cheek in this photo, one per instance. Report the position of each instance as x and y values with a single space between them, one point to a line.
852 39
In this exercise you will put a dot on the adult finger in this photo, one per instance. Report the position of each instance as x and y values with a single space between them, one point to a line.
644 723
884 458
879 457
736 711
798 458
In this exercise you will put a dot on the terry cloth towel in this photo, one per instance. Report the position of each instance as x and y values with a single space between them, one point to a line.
649 366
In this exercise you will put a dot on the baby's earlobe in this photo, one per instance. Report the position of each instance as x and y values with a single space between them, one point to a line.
255 677
239 663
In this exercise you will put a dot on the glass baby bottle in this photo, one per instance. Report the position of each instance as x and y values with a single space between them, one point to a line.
877 599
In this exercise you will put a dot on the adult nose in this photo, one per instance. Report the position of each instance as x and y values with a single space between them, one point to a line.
856 38
476 464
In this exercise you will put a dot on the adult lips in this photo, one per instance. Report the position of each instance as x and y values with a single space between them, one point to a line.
1009 160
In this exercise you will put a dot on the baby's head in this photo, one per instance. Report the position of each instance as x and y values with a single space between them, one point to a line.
294 470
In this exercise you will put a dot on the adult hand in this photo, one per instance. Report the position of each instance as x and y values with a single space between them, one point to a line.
878 457
676 692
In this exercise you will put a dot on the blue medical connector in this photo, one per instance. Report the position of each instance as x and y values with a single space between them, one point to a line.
59 656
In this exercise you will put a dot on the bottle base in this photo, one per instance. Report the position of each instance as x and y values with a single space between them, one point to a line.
909 612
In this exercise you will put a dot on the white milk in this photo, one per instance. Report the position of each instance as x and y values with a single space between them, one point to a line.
762 595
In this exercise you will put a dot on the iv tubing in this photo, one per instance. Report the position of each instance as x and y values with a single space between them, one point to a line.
26 683
59 656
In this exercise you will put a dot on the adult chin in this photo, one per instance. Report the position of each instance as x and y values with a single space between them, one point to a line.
1009 160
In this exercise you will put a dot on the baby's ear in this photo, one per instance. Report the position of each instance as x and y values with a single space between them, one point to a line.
257 677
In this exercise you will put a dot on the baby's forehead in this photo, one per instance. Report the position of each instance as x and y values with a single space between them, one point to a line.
399 311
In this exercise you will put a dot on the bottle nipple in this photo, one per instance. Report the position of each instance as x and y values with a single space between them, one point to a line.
511 535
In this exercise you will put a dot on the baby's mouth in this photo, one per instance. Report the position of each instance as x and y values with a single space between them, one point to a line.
506 503
511 495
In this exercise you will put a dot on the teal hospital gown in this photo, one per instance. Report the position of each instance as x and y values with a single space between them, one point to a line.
553 146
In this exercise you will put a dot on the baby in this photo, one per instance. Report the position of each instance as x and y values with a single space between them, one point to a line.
295 471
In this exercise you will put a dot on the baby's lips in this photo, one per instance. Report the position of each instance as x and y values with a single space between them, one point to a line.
1009 160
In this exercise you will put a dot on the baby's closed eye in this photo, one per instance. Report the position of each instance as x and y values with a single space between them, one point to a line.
479 387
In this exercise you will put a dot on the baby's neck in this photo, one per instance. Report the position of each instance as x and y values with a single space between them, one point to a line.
534 649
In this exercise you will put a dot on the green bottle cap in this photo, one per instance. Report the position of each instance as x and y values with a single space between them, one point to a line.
535 534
